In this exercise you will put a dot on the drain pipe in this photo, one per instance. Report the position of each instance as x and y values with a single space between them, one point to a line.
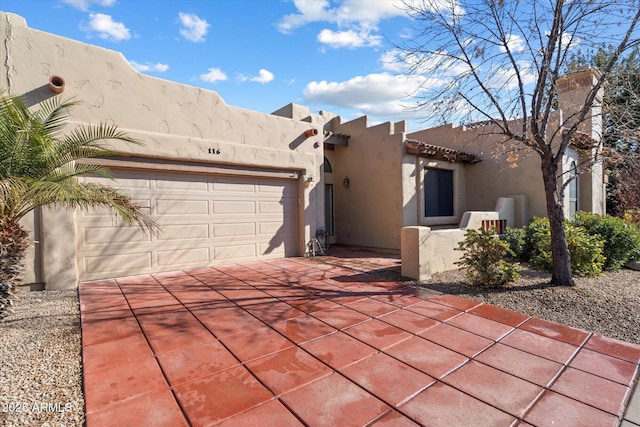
56 84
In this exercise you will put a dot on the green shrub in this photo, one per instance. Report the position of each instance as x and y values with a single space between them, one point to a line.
621 239
484 258
585 250
537 230
516 239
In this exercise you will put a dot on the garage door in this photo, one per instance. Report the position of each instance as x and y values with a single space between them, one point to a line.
204 220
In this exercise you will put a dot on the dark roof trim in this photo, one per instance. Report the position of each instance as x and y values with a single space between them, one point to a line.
436 152
336 138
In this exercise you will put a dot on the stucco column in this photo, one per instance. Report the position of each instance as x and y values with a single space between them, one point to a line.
414 252
58 242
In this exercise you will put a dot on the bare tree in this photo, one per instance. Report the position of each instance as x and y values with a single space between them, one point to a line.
498 60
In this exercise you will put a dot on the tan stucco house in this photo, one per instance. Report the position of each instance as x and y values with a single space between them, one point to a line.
231 185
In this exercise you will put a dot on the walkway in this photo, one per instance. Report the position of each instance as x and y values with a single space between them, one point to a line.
297 342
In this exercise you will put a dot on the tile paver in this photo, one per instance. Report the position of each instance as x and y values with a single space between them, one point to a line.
499 314
339 350
409 321
605 366
556 409
556 331
390 380
393 419
297 342
196 361
442 405
548 348
605 395
499 389
521 364
480 326
378 334
221 395
429 357
287 369
334 401
457 339
156 408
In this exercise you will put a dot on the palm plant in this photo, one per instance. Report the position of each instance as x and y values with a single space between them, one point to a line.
39 166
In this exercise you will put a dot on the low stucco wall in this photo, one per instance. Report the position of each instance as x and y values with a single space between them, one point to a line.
425 251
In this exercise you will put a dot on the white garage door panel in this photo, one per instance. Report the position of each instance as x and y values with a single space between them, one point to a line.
184 232
107 235
237 230
233 207
204 220
199 256
182 207
233 252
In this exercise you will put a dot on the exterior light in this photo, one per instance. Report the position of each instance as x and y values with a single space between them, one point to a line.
345 181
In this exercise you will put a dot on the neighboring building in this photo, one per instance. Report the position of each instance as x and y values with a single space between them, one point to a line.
233 185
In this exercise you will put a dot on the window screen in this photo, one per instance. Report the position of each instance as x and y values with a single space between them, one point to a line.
438 192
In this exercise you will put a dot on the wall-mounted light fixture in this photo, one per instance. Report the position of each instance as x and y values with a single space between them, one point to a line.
56 84
311 132
308 181
316 144
345 181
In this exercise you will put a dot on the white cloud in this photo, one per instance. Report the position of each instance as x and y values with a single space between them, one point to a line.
214 75
193 28
422 63
395 60
505 78
348 12
263 77
308 11
84 4
356 20
515 43
147 66
349 39
107 28
382 94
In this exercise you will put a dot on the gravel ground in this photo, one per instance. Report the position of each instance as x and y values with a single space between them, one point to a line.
40 361
40 350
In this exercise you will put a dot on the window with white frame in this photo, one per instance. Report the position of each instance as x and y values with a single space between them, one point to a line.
440 192
573 190
571 181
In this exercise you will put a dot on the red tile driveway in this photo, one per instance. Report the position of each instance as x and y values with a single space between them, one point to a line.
297 342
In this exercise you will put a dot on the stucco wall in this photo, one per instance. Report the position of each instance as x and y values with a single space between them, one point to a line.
495 176
175 121
369 211
509 168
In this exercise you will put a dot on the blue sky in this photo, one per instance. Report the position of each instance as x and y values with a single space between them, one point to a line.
257 54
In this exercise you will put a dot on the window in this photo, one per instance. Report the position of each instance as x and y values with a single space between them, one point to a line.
573 190
326 166
328 209
438 192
